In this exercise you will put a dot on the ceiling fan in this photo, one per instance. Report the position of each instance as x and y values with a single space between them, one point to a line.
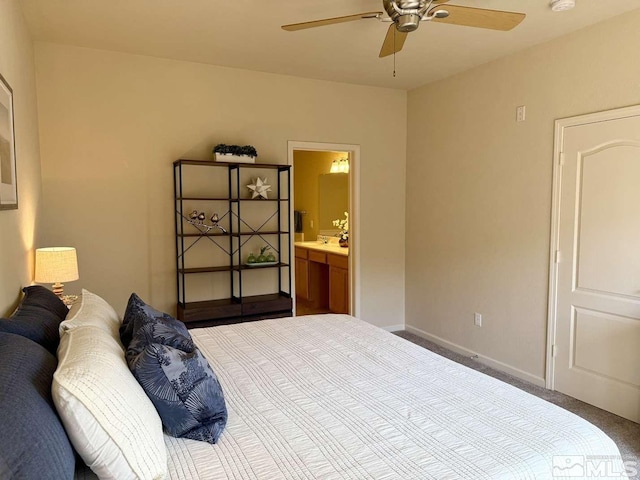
406 16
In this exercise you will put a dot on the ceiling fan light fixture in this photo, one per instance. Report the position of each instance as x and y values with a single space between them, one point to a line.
408 23
562 5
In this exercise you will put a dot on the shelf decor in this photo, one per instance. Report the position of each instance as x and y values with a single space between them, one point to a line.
259 188
235 153
197 220
262 260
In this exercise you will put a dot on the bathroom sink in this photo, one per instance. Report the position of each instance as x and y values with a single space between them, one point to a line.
318 244
327 247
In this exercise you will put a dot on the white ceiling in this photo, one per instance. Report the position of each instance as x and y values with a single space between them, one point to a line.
247 34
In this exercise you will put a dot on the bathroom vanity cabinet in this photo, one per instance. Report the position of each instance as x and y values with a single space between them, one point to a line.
215 283
322 276
338 283
302 274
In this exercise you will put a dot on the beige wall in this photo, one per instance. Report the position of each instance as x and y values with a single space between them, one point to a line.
307 167
479 186
112 124
18 227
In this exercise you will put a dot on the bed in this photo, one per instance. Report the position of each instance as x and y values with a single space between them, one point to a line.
332 397
314 397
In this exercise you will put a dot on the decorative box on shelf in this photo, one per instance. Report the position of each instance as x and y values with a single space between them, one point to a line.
230 158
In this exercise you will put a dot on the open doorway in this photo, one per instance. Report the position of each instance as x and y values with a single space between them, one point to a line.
323 225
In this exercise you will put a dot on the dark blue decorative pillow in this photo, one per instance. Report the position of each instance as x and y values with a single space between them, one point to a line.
33 443
143 325
37 317
173 373
184 390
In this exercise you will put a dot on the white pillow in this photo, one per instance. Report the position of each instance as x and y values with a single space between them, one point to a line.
109 419
91 310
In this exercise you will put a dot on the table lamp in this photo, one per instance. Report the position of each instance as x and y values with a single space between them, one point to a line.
55 265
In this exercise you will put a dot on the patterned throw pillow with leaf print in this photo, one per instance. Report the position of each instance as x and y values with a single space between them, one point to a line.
142 324
184 390
173 373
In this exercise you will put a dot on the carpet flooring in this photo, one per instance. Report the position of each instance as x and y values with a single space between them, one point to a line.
624 432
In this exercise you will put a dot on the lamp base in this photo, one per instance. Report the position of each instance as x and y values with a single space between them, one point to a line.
58 289
69 300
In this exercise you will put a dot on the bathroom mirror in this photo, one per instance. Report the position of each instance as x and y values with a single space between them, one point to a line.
333 200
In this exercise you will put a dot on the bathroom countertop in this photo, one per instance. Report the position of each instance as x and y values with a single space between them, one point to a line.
324 247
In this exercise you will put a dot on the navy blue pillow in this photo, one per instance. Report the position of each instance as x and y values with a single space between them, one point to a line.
173 373
37 317
33 443
143 324
184 390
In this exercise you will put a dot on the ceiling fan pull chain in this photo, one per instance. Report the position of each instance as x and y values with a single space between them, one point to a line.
394 53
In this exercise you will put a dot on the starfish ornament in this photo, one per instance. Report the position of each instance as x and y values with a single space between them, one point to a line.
259 188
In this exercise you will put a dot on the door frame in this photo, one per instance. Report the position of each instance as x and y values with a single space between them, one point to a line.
354 218
554 244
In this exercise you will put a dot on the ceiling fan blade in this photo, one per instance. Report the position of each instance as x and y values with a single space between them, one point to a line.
330 21
481 18
392 45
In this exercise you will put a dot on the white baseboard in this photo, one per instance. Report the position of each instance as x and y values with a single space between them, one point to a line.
394 328
490 362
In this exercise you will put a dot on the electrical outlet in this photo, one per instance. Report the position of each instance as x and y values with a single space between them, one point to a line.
477 319
521 113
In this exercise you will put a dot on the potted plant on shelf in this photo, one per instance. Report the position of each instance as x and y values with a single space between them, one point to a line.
265 257
343 225
235 153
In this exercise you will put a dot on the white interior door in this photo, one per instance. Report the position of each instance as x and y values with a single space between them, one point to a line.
597 316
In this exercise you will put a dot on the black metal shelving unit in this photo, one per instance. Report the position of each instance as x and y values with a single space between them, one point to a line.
236 307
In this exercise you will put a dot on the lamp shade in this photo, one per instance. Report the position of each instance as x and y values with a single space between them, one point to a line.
56 264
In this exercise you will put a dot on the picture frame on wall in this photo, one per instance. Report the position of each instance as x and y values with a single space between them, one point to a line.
8 175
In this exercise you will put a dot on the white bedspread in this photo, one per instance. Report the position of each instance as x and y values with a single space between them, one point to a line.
332 397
